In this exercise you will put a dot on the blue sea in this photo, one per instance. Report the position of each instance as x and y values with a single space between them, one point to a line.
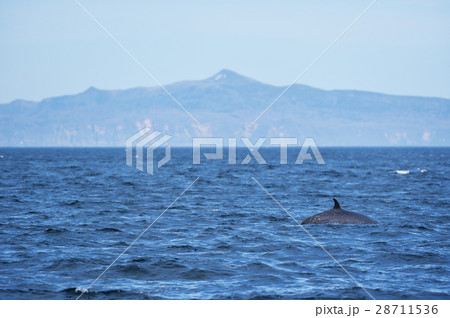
67 213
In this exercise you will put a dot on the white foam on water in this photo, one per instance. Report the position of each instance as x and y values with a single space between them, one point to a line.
402 171
81 290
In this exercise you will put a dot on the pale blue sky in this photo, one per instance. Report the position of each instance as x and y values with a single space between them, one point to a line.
51 48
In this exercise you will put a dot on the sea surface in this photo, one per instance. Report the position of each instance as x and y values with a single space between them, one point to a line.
66 214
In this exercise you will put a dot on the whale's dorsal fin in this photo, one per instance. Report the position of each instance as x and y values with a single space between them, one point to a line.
336 204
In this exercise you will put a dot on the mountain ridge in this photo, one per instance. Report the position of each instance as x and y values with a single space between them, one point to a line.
225 104
156 87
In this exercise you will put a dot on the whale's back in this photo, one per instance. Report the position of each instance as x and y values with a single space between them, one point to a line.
339 216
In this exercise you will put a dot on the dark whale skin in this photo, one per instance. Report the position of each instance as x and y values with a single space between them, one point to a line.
339 216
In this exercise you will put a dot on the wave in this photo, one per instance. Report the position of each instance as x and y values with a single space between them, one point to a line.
409 171
74 292
402 171
55 231
108 229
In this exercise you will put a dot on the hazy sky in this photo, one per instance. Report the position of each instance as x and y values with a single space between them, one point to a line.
51 48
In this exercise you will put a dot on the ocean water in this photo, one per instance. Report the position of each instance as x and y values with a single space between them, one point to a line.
66 214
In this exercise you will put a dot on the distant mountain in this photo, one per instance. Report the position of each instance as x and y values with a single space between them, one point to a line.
225 105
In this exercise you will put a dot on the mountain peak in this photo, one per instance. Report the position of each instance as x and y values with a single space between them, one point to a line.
223 74
228 75
91 89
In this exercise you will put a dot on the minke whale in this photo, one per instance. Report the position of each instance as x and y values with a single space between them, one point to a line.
338 215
